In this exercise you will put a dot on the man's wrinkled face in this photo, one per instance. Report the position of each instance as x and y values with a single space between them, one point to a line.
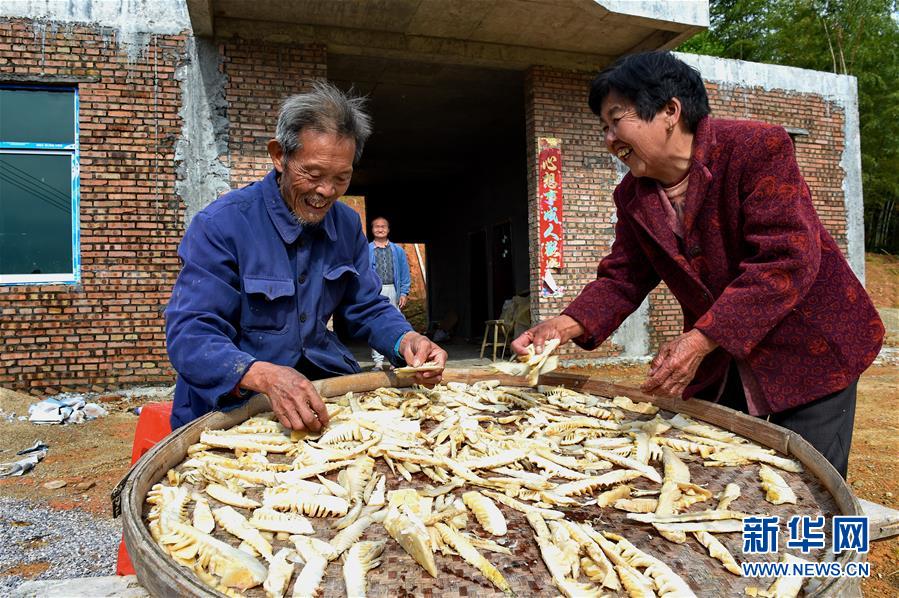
315 175
380 229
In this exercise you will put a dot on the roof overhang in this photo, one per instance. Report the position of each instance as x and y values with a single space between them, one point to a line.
576 34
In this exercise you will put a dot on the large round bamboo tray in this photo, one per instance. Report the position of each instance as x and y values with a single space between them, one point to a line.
820 485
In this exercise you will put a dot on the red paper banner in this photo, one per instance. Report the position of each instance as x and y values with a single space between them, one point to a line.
550 210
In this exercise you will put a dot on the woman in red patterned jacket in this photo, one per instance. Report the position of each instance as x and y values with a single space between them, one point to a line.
776 323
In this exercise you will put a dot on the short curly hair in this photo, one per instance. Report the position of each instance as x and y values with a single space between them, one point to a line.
650 80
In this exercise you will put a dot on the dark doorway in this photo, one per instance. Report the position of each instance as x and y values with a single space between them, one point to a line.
477 255
503 267
447 156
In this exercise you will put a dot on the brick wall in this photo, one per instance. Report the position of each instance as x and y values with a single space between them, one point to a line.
556 106
556 103
259 78
108 330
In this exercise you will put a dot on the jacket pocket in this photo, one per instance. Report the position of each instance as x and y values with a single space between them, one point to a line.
268 302
333 273
336 279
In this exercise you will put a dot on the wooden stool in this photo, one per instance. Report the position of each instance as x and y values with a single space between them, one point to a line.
498 327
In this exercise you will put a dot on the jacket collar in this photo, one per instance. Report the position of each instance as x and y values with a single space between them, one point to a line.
704 141
284 220
644 204
704 154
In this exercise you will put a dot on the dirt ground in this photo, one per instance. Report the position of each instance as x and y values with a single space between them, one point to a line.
882 279
98 451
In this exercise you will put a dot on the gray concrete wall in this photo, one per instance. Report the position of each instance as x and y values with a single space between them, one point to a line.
202 149
633 334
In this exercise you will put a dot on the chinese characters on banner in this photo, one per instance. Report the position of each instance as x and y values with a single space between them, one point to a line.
549 208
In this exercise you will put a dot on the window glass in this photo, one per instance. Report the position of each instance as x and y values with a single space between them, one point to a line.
37 116
35 213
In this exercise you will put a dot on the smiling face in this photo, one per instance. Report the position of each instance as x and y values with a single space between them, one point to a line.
380 229
640 144
315 175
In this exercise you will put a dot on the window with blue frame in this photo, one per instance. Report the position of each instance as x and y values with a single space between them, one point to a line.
38 185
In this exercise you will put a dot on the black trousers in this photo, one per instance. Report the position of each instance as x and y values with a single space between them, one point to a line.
825 423
313 372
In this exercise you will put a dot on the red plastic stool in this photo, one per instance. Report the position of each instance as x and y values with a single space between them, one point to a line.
154 425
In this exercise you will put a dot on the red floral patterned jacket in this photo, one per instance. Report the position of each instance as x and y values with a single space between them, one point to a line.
759 274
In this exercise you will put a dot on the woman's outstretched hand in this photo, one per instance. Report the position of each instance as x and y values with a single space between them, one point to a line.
563 328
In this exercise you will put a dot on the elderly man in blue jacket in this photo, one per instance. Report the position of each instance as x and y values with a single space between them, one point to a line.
388 260
266 266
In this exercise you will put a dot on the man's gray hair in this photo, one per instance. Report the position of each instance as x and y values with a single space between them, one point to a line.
325 109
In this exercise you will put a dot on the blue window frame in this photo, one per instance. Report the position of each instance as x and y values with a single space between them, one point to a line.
39 185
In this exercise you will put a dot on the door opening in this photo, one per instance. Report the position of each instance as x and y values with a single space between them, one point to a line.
477 255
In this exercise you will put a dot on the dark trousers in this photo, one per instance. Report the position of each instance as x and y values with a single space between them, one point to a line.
826 423
313 372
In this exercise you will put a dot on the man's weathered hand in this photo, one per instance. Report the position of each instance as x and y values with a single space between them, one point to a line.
295 401
402 301
417 349
675 366
563 328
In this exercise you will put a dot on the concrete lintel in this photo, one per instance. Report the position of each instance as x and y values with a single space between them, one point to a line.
796 131
361 42
201 18
48 79
660 40
147 16
842 90
130 24
662 12
83 587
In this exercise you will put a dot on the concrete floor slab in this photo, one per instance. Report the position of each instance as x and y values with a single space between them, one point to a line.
84 587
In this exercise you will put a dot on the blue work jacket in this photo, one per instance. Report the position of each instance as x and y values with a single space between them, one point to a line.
258 286
401 277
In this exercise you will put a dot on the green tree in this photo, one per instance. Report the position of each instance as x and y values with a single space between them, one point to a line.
850 37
